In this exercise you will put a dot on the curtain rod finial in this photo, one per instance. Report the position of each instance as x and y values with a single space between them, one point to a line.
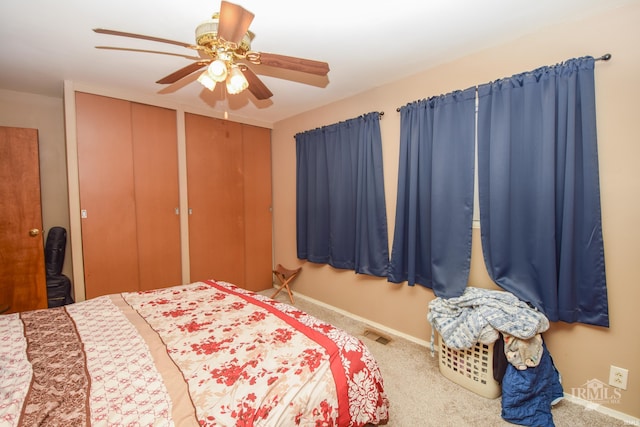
605 57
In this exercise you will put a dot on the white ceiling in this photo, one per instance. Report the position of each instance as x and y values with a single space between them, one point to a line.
367 43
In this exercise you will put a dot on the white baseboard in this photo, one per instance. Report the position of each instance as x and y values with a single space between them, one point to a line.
627 419
375 325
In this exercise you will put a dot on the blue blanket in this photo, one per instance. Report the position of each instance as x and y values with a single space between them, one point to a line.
527 396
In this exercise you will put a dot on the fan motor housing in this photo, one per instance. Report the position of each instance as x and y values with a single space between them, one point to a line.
207 33
207 36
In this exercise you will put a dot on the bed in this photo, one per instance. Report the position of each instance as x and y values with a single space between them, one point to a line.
203 354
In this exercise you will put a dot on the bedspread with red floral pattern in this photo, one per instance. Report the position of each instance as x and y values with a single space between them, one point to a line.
249 360
245 360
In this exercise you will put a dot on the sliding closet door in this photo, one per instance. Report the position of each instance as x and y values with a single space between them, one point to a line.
257 207
155 163
107 198
216 199
128 171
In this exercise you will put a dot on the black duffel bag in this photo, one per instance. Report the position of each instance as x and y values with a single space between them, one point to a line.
58 285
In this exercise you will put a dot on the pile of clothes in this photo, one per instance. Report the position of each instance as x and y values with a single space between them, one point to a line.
530 381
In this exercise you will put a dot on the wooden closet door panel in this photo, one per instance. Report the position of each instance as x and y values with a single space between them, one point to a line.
105 169
215 196
155 165
257 207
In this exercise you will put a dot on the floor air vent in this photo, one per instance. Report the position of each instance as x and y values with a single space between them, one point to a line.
377 336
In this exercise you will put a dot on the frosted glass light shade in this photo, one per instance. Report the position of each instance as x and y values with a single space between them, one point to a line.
217 70
236 82
207 81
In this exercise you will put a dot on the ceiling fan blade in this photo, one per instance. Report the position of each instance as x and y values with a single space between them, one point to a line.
183 72
296 64
142 37
256 86
194 58
234 22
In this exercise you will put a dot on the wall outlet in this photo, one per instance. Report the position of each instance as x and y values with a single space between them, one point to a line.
618 377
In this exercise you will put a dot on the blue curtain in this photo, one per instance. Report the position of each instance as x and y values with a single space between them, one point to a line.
434 210
539 190
340 204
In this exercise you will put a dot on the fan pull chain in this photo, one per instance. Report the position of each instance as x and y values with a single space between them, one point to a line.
226 104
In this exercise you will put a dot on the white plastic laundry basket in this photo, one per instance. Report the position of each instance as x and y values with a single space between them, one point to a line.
471 368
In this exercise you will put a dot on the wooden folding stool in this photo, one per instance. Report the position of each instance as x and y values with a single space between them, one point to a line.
285 276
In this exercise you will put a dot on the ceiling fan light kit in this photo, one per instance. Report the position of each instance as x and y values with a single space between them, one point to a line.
224 41
223 56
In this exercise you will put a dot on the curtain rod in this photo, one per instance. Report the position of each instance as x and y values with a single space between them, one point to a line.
380 114
605 57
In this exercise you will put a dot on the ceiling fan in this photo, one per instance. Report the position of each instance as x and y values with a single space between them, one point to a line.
224 46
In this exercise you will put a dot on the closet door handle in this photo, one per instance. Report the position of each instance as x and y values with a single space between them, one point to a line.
34 232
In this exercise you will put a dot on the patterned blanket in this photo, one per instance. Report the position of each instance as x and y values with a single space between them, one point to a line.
207 354
478 315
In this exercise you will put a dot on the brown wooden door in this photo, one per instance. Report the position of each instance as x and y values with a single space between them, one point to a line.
216 199
23 284
257 207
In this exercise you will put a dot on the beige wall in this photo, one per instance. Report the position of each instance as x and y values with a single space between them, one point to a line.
582 353
45 114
